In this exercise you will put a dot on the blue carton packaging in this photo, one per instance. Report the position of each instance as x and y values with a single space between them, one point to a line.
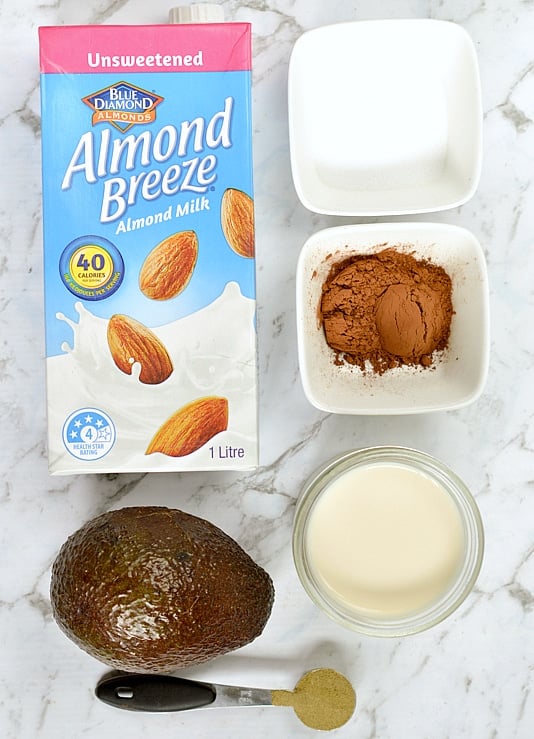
149 248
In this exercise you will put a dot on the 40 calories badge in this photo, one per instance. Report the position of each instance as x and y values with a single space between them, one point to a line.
91 268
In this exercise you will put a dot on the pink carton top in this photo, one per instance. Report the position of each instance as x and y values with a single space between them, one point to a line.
206 47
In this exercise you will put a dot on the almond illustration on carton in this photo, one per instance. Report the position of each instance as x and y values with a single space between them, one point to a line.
130 342
237 221
168 268
191 427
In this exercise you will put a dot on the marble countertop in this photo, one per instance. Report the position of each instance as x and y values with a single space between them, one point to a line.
470 677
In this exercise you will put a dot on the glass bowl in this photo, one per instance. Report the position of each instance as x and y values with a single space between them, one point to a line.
454 554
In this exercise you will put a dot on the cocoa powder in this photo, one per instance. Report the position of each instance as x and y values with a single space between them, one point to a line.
386 309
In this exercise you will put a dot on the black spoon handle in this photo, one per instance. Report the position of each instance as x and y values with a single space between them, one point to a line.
156 693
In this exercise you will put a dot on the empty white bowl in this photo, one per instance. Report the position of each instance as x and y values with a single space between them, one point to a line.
458 374
385 117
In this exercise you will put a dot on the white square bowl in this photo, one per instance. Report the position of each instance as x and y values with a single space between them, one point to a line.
458 375
385 117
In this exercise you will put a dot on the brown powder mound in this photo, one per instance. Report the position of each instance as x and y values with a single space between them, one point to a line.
388 309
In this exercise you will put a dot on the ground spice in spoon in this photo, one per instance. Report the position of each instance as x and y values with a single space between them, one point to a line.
322 699
386 309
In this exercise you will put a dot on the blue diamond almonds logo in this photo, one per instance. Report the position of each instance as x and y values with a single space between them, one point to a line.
123 105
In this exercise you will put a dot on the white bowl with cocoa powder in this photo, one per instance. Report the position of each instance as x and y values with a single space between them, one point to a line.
392 318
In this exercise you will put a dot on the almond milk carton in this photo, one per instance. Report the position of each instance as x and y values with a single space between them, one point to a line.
149 247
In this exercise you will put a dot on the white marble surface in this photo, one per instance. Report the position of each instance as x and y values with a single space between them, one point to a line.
469 678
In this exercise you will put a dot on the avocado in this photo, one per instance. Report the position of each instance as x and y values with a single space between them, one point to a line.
155 589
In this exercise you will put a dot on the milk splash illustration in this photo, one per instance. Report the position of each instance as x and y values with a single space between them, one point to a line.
213 353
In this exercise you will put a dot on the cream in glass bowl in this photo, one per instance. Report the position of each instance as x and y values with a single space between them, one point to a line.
387 541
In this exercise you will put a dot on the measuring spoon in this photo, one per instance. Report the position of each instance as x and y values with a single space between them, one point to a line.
322 699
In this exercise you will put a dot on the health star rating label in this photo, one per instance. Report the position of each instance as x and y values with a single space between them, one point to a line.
88 434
